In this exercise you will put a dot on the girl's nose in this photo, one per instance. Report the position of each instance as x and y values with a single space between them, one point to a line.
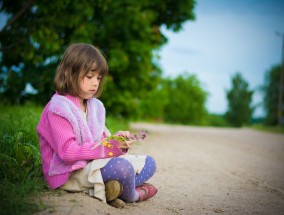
96 82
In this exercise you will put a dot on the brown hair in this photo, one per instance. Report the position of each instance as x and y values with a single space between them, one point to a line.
77 61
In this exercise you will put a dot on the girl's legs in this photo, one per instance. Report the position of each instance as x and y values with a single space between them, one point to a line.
121 169
147 171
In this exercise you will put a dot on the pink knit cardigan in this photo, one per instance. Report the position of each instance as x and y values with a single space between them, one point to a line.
67 141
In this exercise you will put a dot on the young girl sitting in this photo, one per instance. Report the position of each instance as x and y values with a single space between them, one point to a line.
76 155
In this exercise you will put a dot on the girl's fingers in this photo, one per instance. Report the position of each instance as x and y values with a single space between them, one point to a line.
123 147
120 133
124 144
124 134
127 133
128 143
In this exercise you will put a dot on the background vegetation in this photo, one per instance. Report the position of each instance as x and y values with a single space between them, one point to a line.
239 102
271 93
128 32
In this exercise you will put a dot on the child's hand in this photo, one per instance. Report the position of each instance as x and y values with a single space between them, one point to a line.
125 134
126 141
125 144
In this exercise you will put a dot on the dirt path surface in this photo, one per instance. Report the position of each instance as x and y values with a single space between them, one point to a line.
199 171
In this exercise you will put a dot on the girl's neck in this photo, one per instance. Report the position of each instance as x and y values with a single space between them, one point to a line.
83 105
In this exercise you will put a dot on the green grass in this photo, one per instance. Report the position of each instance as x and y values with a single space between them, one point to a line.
20 166
216 120
273 129
21 178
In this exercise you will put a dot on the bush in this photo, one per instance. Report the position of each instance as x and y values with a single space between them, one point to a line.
186 100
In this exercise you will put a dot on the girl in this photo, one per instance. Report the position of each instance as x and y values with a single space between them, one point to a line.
72 133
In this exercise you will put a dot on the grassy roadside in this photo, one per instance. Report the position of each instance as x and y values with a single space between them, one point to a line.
20 166
21 179
273 129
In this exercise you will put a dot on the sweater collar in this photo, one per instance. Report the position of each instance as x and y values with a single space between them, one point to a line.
74 99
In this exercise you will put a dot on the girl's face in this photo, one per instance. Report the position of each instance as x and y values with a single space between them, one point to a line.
89 84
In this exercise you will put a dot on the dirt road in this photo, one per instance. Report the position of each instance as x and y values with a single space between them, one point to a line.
200 171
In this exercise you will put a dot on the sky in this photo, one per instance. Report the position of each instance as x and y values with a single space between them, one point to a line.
227 36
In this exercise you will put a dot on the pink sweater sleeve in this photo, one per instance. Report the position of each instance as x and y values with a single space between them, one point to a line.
68 149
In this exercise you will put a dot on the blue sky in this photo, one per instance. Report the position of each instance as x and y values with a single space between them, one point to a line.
227 36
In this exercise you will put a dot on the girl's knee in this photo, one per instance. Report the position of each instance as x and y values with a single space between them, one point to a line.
123 167
151 163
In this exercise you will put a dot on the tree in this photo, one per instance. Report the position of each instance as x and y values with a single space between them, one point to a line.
128 32
186 100
271 92
239 99
153 106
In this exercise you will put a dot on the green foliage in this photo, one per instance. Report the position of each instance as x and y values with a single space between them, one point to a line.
128 32
273 129
175 100
20 165
115 124
216 121
186 100
271 92
13 86
239 99
152 107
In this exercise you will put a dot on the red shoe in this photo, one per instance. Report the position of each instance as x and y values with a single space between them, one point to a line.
146 191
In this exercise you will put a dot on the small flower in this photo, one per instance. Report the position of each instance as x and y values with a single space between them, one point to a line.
110 154
105 143
113 139
136 138
143 134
